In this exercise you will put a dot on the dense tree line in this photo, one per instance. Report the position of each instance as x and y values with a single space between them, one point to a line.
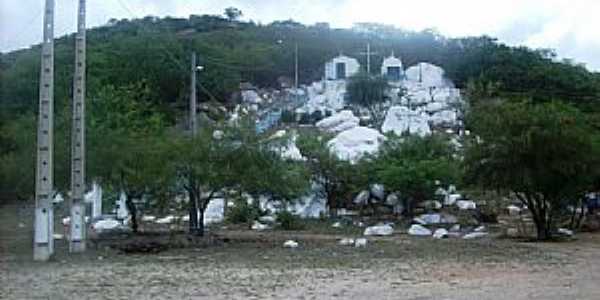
156 51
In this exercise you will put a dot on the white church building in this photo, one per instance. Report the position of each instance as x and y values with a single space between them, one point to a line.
341 67
392 68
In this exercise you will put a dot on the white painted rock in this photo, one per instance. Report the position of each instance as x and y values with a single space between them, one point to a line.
352 144
342 121
378 191
466 204
480 229
392 199
400 120
380 230
451 199
148 218
440 233
420 221
267 219
346 242
430 219
259 226
362 197
108 224
475 235
455 228
166 220
565 231
290 244
360 243
337 225
513 210
419 230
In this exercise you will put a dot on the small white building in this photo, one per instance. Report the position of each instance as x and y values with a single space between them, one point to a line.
392 68
341 68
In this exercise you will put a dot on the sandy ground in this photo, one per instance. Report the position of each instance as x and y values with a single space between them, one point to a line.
391 268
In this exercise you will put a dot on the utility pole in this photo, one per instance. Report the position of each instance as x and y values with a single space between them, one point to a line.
296 67
43 244
78 226
193 101
369 58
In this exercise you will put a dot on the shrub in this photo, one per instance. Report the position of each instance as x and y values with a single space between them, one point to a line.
242 213
289 221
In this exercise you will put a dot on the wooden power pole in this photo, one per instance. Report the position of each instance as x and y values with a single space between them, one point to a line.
43 244
78 226
193 100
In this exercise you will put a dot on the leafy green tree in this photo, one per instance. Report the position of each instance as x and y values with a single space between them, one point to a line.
201 166
17 156
542 153
259 168
125 143
369 92
414 166
338 180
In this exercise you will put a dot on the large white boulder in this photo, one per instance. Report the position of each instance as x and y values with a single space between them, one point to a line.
426 74
251 97
378 191
440 233
342 121
444 117
400 119
362 198
325 96
419 230
354 143
466 204
360 243
379 230
451 199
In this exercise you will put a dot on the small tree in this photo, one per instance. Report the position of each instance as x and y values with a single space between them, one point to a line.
369 92
259 170
542 153
414 165
199 164
233 14
335 176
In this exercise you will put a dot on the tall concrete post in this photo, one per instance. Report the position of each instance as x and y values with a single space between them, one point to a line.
193 99
369 58
78 226
43 240
296 66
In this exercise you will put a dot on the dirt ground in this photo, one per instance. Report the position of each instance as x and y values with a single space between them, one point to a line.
256 266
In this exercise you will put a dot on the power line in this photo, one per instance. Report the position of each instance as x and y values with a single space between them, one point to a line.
170 55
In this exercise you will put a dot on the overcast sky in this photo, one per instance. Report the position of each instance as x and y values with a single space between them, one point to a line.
571 27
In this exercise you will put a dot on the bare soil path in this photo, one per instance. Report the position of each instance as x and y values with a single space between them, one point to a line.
256 266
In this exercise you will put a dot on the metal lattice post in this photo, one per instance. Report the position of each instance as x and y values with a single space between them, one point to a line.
193 101
78 226
43 244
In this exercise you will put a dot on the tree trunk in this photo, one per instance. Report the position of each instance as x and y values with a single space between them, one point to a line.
193 211
133 211
543 232
200 227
